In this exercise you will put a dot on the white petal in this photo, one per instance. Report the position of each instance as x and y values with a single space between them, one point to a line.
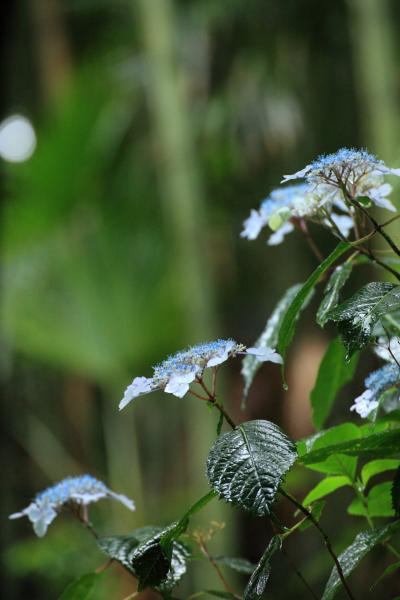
178 385
363 404
344 223
297 175
253 225
139 386
125 501
266 354
217 360
277 237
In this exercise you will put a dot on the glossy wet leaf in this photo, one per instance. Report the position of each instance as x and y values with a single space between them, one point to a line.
334 372
331 293
142 554
259 579
357 316
351 557
240 565
268 338
287 329
246 466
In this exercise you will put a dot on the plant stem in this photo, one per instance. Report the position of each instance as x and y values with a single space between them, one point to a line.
299 574
301 224
365 251
211 397
328 545
226 585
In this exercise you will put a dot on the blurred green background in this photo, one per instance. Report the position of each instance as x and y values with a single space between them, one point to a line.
159 124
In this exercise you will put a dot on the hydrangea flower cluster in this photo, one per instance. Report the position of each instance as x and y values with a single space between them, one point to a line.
82 491
376 384
175 374
357 171
286 204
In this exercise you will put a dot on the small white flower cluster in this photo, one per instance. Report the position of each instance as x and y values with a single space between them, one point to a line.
82 490
175 374
357 172
378 383
284 205
360 173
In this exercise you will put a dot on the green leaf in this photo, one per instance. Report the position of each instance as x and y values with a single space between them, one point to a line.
80 589
246 466
287 329
334 463
331 293
357 316
386 443
379 503
388 571
333 373
377 466
240 565
325 487
395 493
268 338
259 579
351 557
141 553
219 594
316 511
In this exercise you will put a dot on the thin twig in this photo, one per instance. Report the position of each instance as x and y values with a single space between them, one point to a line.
301 224
212 399
326 539
299 574
206 553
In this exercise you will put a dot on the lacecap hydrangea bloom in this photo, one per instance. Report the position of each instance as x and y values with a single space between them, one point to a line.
377 383
175 374
82 491
286 204
358 172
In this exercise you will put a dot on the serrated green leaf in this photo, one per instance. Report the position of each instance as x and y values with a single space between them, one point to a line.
246 466
259 579
80 589
268 338
351 557
335 463
325 487
333 373
141 553
240 565
357 316
287 328
386 443
395 493
379 503
378 466
331 293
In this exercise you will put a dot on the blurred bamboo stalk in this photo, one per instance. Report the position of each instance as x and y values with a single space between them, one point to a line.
183 204
372 36
52 47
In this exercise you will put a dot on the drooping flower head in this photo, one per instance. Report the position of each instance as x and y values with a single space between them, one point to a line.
286 204
175 374
357 172
377 383
81 491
